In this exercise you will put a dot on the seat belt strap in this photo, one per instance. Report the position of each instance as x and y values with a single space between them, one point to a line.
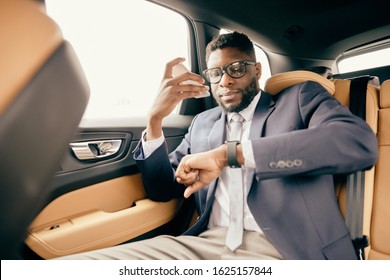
355 181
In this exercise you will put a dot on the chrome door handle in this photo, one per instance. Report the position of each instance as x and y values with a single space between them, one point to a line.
95 149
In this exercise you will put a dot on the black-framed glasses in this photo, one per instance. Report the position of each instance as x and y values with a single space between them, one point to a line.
235 70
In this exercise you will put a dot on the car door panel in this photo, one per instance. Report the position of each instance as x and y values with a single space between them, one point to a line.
101 215
100 202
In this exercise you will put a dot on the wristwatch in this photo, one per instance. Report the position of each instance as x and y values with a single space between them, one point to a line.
231 154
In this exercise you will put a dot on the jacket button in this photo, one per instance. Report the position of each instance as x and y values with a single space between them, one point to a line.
273 165
298 162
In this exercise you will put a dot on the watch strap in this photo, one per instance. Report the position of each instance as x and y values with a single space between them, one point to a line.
231 154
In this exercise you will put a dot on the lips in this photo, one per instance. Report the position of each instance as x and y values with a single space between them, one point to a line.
228 95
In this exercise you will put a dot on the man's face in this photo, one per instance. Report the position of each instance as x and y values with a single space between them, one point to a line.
234 95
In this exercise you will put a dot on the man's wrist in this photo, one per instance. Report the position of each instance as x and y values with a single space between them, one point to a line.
154 128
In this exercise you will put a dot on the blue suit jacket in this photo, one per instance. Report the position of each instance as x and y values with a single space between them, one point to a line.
300 138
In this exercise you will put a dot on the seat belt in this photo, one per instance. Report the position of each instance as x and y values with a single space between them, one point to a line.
355 181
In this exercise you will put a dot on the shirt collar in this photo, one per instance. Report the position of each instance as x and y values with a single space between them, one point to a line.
248 112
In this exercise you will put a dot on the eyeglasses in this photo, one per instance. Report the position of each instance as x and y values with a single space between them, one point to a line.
235 70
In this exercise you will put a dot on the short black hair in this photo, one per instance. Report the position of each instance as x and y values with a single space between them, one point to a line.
231 40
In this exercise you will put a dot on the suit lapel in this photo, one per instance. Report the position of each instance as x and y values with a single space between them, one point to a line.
216 138
263 109
218 132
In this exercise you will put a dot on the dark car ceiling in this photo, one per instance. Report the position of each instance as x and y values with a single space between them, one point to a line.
309 29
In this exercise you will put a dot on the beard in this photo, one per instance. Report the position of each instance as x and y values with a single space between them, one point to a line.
247 95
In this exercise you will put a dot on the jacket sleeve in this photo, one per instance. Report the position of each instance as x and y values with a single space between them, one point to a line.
158 169
325 139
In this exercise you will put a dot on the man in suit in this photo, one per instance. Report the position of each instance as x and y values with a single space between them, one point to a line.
291 145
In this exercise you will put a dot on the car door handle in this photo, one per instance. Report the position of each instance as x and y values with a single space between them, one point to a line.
95 149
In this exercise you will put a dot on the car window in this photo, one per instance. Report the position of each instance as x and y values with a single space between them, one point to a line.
123 47
364 61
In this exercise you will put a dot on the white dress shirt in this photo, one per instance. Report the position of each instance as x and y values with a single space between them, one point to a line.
220 209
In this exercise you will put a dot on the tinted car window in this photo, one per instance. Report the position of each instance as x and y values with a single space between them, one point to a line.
123 57
368 60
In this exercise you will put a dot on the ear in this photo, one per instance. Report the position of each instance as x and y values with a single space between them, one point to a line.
258 70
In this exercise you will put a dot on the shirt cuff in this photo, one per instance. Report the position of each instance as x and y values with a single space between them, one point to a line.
247 151
150 146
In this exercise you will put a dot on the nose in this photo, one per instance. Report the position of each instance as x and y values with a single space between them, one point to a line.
226 80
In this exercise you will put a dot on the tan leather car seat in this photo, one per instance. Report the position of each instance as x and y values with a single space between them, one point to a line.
43 95
342 88
278 82
380 222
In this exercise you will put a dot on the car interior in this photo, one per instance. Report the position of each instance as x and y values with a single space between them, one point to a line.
70 185
40 78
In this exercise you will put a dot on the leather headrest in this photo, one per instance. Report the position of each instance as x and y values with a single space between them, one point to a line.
279 82
385 94
28 37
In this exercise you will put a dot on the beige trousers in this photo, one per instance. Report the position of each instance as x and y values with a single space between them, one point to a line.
210 245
